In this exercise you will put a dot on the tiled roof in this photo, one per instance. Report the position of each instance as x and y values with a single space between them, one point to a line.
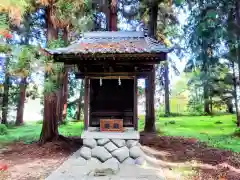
112 42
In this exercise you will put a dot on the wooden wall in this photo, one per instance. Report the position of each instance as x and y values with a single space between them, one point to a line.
111 100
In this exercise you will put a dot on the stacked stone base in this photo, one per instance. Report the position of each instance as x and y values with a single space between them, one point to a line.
117 151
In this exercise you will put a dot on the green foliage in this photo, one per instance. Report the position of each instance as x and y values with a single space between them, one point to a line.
237 132
178 2
49 87
39 122
55 44
3 129
64 122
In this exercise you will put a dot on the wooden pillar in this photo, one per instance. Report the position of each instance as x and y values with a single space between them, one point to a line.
86 103
146 99
150 110
135 105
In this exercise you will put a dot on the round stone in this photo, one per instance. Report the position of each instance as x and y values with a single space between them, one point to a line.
112 164
129 161
131 143
140 161
110 146
119 142
121 154
135 152
101 153
102 142
91 143
85 152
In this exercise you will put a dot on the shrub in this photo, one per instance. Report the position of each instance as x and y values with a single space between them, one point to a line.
3 129
39 122
64 122
10 124
237 132
218 122
170 122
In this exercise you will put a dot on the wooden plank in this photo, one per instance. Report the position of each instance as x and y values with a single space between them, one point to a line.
110 123
135 105
86 103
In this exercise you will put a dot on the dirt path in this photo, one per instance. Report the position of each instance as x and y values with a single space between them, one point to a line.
188 155
32 162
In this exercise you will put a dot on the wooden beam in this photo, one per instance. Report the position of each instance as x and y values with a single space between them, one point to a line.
86 103
111 77
128 58
135 105
99 74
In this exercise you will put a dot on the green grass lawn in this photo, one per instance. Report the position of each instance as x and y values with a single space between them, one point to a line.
202 128
30 132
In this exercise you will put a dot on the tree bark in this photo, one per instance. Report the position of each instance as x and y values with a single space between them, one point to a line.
237 9
5 99
65 80
80 101
235 94
50 119
230 106
206 100
150 110
112 18
21 101
5 93
51 30
166 89
50 125
150 82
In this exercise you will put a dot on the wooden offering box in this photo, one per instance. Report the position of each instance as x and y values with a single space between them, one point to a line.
111 125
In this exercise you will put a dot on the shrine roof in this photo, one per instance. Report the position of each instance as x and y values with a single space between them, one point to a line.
112 42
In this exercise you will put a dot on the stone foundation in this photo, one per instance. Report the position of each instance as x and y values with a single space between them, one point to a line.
114 151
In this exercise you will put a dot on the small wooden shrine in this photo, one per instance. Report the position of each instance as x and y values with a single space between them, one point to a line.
110 63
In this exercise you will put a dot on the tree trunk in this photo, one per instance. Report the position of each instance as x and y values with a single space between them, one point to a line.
113 18
21 101
150 82
150 110
230 106
166 89
51 30
206 101
5 99
80 101
235 95
237 9
65 80
5 93
49 127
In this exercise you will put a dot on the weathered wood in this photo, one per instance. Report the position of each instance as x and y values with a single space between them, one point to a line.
112 100
110 123
122 75
144 58
150 111
135 105
86 102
